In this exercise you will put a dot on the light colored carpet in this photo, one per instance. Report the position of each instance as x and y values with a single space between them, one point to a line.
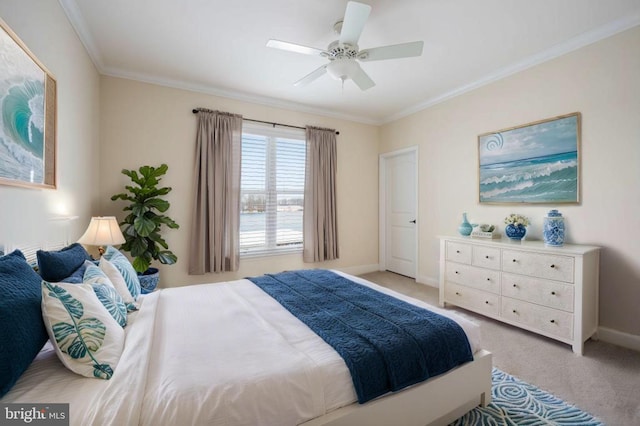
604 382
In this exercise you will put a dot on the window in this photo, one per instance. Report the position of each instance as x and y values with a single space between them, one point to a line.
272 190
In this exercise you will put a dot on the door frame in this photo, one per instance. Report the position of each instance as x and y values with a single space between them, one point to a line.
382 204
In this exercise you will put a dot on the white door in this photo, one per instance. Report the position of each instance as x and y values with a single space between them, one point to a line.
400 212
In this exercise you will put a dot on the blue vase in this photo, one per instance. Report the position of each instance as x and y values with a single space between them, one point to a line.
515 232
553 229
465 227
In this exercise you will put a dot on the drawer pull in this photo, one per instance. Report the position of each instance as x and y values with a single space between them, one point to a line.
457 272
515 312
553 293
553 321
514 261
553 266
486 302
458 251
515 286
457 293
488 279
486 257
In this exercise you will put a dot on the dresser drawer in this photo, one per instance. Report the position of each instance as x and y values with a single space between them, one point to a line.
547 320
457 252
559 268
476 300
486 257
482 279
543 292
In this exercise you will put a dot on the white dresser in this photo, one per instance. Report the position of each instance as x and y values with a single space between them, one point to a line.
552 291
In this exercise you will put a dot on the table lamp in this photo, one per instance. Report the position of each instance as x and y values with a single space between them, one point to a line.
102 231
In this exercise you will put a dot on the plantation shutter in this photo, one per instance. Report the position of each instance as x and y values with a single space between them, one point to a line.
272 194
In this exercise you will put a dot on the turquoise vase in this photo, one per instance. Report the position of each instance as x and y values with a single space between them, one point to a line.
515 232
465 227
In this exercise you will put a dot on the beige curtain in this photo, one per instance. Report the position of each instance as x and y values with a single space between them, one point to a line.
214 245
320 212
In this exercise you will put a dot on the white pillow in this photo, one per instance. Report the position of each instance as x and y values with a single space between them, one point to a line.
118 282
87 339
106 292
125 267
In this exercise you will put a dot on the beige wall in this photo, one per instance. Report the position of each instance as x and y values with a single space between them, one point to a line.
145 124
602 82
24 213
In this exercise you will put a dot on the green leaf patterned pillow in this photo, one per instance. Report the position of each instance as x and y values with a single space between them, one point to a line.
118 282
129 274
87 339
106 292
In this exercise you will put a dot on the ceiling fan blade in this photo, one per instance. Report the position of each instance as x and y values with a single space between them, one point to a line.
317 73
355 17
293 47
404 50
363 80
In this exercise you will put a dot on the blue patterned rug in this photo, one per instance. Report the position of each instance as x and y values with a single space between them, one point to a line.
517 403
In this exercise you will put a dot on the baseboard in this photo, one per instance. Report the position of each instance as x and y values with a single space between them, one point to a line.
361 269
626 340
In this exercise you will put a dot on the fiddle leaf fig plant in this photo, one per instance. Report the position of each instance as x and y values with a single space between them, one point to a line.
144 223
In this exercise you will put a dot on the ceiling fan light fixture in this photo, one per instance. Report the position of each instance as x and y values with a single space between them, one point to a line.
342 69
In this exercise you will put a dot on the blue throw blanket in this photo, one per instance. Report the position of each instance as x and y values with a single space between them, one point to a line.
387 344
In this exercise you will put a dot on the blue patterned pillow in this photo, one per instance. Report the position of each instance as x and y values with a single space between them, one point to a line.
22 332
57 265
125 268
106 292
87 339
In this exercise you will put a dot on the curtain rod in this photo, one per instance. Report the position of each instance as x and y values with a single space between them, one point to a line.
195 111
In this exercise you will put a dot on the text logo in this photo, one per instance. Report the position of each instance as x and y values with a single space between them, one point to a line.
34 414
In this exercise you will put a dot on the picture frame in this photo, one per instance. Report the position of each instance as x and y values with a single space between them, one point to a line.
535 163
28 120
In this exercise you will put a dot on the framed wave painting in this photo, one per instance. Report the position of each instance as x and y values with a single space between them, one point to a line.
536 163
27 116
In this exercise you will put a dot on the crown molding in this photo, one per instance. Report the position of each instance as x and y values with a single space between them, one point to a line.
239 96
72 11
568 46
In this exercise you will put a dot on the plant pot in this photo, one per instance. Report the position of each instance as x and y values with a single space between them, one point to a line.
149 280
515 232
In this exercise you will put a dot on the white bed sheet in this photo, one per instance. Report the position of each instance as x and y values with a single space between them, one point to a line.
216 354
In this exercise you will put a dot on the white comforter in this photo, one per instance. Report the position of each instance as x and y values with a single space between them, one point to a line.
215 354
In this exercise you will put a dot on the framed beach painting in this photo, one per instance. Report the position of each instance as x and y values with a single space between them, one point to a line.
537 163
27 116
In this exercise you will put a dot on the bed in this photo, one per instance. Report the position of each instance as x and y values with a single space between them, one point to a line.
229 354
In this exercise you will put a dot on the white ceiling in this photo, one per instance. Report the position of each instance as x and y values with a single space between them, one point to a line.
218 47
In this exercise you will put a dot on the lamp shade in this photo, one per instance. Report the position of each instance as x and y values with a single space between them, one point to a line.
102 230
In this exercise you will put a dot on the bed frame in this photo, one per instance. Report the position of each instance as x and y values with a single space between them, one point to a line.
438 401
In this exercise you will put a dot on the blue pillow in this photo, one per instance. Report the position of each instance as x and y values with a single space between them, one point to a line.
54 266
77 277
22 331
125 268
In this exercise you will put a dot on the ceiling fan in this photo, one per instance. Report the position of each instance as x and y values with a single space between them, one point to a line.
344 53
